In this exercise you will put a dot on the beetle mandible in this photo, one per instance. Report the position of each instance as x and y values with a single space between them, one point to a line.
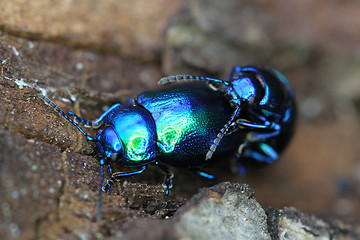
251 115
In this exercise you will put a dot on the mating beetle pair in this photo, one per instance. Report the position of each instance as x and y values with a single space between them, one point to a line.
252 115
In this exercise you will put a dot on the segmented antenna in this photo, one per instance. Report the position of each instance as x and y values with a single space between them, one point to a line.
183 78
56 108
221 134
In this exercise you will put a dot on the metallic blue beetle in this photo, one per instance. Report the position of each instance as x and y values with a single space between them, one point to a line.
189 125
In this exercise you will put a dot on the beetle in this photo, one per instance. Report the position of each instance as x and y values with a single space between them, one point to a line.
251 115
264 109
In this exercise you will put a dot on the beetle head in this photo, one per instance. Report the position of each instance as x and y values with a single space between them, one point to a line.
249 86
109 144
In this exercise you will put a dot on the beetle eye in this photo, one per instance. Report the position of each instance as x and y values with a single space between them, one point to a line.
109 143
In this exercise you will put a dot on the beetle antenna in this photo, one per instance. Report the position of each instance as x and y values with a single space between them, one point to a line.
183 78
56 108
224 131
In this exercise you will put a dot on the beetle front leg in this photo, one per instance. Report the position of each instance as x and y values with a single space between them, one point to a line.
93 124
118 175
98 122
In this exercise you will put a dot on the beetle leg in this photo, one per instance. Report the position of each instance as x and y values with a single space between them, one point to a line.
203 174
93 124
98 122
261 137
168 177
261 126
260 151
118 175
236 165
254 147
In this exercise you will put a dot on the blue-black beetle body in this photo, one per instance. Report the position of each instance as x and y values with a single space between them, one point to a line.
251 114
264 110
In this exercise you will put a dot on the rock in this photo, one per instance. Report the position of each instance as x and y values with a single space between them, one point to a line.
225 211
230 211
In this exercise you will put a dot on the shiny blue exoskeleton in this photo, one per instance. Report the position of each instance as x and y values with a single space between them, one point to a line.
251 115
264 110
